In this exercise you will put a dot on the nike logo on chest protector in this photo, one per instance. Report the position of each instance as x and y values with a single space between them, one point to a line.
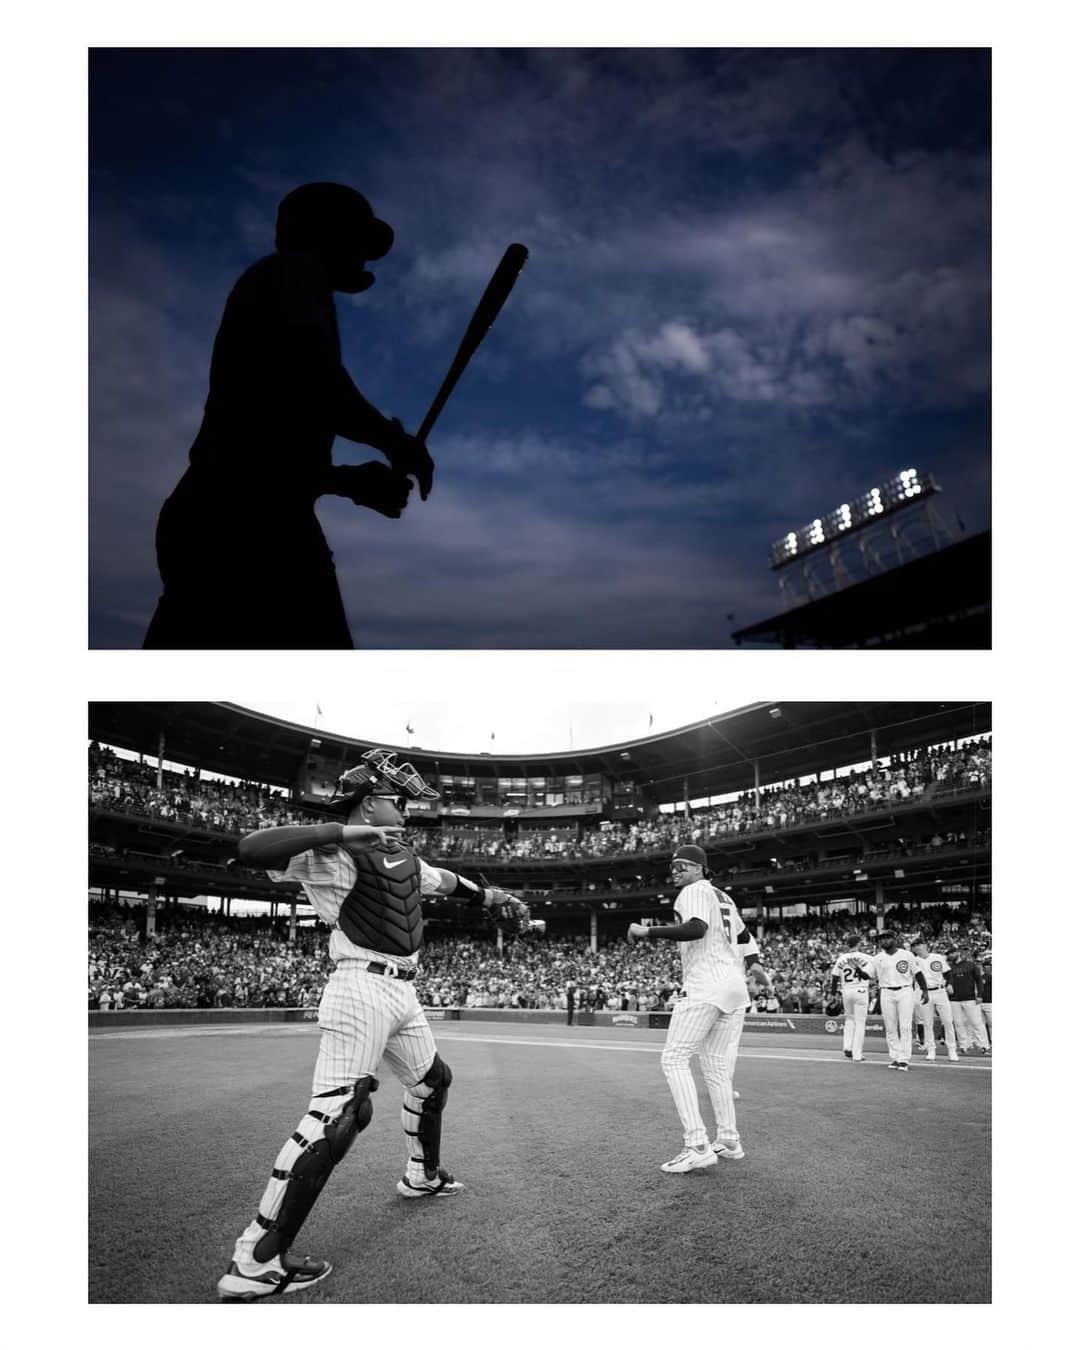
382 910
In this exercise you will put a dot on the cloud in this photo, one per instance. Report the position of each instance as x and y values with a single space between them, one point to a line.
750 276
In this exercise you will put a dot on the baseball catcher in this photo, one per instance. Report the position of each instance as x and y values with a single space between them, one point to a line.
367 885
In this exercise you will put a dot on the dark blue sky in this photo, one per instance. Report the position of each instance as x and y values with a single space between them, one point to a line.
758 284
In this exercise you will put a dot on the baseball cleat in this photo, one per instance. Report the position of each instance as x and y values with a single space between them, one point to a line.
847 1054
690 1159
930 1058
732 1152
735 1094
243 1283
857 1058
902 1066
955 1059
442 1183
893 1064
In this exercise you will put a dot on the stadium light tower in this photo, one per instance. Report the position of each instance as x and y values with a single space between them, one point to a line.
892 523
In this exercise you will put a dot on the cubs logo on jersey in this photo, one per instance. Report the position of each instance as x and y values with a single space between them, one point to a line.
936 966
902 967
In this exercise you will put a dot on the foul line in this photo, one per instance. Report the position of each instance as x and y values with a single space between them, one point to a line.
630 1047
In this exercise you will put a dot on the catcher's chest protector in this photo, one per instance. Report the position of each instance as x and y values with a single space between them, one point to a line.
382 911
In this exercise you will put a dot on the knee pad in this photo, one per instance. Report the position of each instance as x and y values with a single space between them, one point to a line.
310 1156
421 1112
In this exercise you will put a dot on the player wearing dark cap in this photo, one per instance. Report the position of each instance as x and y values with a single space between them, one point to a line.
242 557
704 1022
897 971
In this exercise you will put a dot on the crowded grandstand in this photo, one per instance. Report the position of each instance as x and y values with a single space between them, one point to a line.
827 818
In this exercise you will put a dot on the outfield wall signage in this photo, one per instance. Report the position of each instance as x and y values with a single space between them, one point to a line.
799 1024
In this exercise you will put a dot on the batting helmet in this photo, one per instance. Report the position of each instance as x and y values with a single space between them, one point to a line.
319 213
379 772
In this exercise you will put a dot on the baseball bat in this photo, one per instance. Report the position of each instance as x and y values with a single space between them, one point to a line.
493 299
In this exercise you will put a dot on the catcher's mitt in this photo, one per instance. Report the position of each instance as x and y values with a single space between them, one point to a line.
504 910
834 1007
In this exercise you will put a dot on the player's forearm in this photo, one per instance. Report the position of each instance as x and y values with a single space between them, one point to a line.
274 847
356 419
690 931
458 888
920 980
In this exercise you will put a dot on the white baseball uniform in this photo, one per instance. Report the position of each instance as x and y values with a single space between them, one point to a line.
895 973
935 968
738 1018
702 1023
856 995
364 1016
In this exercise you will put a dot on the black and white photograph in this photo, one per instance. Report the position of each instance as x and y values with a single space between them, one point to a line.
541 1003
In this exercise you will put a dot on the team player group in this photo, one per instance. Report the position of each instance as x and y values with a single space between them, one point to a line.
367 885
718 954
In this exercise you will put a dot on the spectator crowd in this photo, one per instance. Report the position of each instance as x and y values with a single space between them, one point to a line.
200 960
235 808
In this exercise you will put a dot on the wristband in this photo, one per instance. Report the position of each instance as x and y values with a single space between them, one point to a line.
467 890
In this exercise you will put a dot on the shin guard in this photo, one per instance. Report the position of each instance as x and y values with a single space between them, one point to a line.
321 1140
421 1114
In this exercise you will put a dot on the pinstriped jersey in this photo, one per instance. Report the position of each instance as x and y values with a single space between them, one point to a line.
712 967
327 876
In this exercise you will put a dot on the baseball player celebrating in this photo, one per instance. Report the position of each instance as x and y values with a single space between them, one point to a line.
851 975
934 968
703 1022
895 968
364 883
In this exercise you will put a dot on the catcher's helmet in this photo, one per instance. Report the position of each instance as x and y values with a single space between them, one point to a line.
379 773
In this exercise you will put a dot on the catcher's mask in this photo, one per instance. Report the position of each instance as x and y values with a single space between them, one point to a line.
380 775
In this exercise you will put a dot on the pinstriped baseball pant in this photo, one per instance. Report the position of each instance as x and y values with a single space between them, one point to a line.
856 1005
364 1018
700 1029
731 1054
924 1013
897 1006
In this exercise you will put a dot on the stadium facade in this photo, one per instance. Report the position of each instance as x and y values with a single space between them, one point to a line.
521 819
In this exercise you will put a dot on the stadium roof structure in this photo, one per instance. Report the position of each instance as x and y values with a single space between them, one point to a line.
940 600
707 758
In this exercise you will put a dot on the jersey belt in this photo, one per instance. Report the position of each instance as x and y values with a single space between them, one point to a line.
381 968
895 987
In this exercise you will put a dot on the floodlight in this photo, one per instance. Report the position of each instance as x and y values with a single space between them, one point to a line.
892 495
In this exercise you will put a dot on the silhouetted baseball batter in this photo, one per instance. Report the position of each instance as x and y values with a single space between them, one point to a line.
243 560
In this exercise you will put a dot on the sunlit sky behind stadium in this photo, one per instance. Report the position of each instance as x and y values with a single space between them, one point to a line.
518 726
758 286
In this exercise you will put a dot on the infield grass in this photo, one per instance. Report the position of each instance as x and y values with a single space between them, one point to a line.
860 1185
